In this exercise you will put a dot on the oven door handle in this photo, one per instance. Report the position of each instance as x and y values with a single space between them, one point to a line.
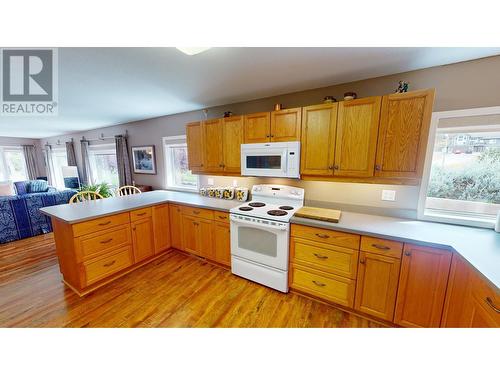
260 225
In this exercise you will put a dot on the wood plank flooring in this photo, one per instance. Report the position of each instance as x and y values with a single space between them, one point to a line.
176 290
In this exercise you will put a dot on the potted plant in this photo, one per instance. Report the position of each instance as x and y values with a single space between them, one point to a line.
104 189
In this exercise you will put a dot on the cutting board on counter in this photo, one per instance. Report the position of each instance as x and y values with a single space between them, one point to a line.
324 214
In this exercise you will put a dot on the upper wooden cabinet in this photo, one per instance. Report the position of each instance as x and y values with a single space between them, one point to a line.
257 127
356 140
213 157
232 138
285 125
194 140
422 286
319 125
403 133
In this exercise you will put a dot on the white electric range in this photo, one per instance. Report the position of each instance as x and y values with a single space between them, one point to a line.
260 231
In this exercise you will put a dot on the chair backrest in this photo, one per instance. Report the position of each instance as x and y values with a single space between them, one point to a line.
83 196
128 190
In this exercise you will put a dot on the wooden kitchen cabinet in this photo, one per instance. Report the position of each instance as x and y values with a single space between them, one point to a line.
377 285
319 125
161 228
222 243
257 127
175 214
285 125
232 138
422 286
356 137
482 304
194 141
197 236
213 157
403 133
142 238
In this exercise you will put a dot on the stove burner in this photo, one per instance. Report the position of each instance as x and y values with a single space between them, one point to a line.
245 208
256 204
277 213
286 208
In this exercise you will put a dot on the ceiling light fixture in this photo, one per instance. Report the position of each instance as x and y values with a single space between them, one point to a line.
192 50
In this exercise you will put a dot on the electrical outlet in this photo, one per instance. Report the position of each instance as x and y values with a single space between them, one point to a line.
210 181
388 195
235 183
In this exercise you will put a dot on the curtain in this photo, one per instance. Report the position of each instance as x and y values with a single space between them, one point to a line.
123 160
49 165
70 154
86 175
30 158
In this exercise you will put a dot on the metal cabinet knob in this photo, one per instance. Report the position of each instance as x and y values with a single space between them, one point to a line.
407 253
377 167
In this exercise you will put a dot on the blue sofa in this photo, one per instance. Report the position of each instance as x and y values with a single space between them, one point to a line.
20 216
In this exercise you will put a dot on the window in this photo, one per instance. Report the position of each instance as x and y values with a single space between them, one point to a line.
59 160
103 164
12 164
178 176
462 181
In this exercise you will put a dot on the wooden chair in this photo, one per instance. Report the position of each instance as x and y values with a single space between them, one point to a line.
84 196
128 190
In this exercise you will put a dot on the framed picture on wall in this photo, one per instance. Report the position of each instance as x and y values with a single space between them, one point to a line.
143 158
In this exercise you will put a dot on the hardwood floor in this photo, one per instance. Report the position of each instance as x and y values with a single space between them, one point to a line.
176 290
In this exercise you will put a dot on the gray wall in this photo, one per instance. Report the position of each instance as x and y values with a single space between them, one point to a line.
458 86
12 141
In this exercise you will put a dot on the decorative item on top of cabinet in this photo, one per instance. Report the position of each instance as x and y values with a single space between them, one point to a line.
213 157
257 127
232 138
350 95
422 286
403 132
329 99
227 114
194 140
356 140
285 125
318 139
402 87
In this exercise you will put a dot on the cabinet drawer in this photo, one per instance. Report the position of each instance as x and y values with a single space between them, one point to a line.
223 217
329 258
486 302
92 245
139 214
98 269
102 223
198 212
326 236
333 288
380 246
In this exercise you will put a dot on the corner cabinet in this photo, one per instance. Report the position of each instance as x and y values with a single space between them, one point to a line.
403 134
194 141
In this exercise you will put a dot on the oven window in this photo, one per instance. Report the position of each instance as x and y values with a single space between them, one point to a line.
258 241
264 161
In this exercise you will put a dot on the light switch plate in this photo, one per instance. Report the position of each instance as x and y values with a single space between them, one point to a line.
210 181
388 195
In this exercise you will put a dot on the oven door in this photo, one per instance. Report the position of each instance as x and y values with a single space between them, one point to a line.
259 242
266 160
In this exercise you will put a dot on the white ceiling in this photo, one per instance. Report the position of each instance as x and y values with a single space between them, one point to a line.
105 86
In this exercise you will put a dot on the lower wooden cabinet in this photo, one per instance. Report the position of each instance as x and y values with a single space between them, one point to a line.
482 306
422 286
175 215
222 243
102 267
161 228
142 238
198 236
377 285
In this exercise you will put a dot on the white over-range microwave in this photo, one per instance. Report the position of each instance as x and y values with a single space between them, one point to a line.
275 159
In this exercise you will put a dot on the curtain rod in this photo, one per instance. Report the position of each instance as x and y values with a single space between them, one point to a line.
58 143
102 137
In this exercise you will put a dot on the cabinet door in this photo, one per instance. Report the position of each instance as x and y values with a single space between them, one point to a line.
142 236
356 140
404 129
212 146
482 306
222 243
257 127
456 295
206 239
194 141
422 286
191 234
318 139
176 226
377 285
161 228
285 125
232 133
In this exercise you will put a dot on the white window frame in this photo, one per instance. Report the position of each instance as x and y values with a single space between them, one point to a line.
175 140
58 150
103 148
449 218
3 161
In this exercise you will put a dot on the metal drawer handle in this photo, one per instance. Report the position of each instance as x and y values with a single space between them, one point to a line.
319 256
489 301
362 261
106 223
318 283
109 264
141 214
221 217
380 247
322 235
196 212
107 241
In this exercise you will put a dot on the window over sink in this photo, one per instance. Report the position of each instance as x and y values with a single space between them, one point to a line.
178 175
